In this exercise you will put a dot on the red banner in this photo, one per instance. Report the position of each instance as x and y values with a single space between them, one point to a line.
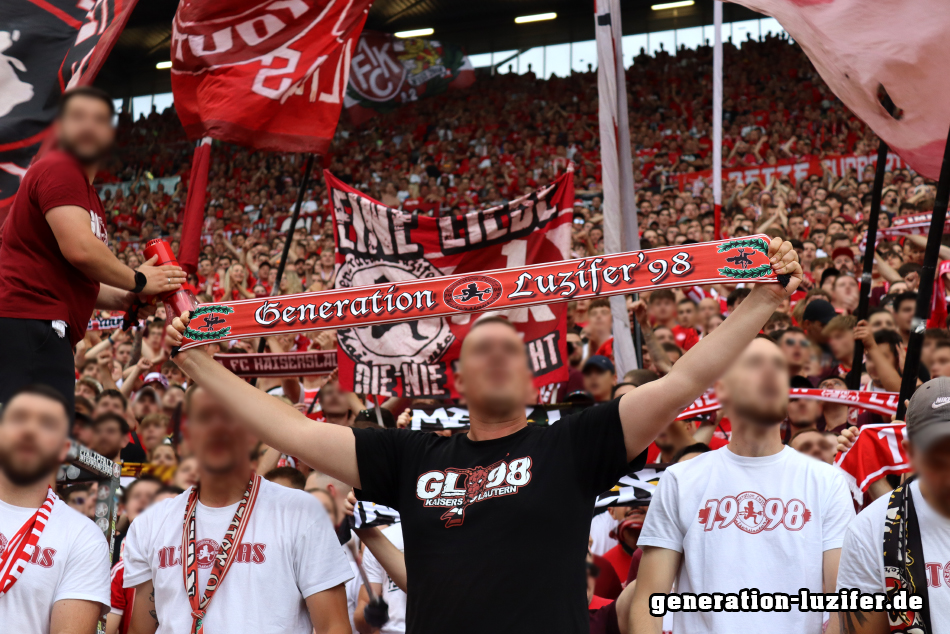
793 168
878 402
313 362
876 452
426 296
377 244
270 75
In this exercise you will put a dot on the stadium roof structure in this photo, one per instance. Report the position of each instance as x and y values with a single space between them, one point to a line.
481 26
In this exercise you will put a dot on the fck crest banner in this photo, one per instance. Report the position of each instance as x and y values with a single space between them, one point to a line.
387 72
265 75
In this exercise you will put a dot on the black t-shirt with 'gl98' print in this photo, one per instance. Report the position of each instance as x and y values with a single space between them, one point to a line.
496 531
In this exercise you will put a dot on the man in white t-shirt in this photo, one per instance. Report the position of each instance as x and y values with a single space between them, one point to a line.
281 571
383 586
753 514
60 581
862 555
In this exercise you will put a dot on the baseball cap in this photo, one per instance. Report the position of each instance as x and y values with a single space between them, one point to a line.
819 310
928 415
843 251
155 377
600 362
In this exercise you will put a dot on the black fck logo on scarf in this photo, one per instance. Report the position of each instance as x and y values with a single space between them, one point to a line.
459 488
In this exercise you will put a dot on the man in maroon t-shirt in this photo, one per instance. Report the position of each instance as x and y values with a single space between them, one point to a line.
55 267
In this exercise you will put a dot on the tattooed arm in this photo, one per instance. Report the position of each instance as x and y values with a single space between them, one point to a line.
144 618
858 623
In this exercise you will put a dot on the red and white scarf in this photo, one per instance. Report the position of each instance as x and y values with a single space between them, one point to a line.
20 548
223 559
877 451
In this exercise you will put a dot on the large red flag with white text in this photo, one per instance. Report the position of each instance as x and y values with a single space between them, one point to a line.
266 75
379 245
866 49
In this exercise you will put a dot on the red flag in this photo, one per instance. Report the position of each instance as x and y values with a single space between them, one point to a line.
195 207
270 75
876 452
859 47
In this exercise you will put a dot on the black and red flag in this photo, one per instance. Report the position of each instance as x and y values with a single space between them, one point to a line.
46 46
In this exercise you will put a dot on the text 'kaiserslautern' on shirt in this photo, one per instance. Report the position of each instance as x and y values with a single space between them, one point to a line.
482 553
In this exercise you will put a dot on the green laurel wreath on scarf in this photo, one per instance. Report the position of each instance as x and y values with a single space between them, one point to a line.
755 243
197 335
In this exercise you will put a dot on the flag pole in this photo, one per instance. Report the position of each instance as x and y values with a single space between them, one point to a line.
854 377
926 288
717 118
304 183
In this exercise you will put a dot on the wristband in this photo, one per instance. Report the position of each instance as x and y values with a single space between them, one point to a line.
140 282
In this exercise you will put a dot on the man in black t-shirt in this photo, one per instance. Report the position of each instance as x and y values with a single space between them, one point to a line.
475 558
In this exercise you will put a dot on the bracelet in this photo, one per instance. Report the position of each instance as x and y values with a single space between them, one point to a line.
140 282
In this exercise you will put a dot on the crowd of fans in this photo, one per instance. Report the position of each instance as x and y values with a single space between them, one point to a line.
509 135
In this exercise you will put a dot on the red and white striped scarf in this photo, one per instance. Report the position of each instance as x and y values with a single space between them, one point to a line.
20 548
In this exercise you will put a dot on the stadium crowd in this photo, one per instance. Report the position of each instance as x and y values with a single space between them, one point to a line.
506 136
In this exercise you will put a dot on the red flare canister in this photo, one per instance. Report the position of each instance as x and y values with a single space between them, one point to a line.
176 302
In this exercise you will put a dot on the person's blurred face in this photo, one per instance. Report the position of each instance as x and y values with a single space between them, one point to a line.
156 332
599 383
123 353
164 456
841 343
599 321
664 335
803 412
756 386
904 314
663 310
939 362
493 371
33 438
845 292
933 468
152 435
171 398
141 497
144 405
187 473
109 439
796 346
575 348
882 321
109 404
686 314
333 400
218 442
84 129
814 444
707 307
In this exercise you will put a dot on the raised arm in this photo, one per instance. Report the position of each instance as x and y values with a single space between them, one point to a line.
648 409
330 449
70 225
